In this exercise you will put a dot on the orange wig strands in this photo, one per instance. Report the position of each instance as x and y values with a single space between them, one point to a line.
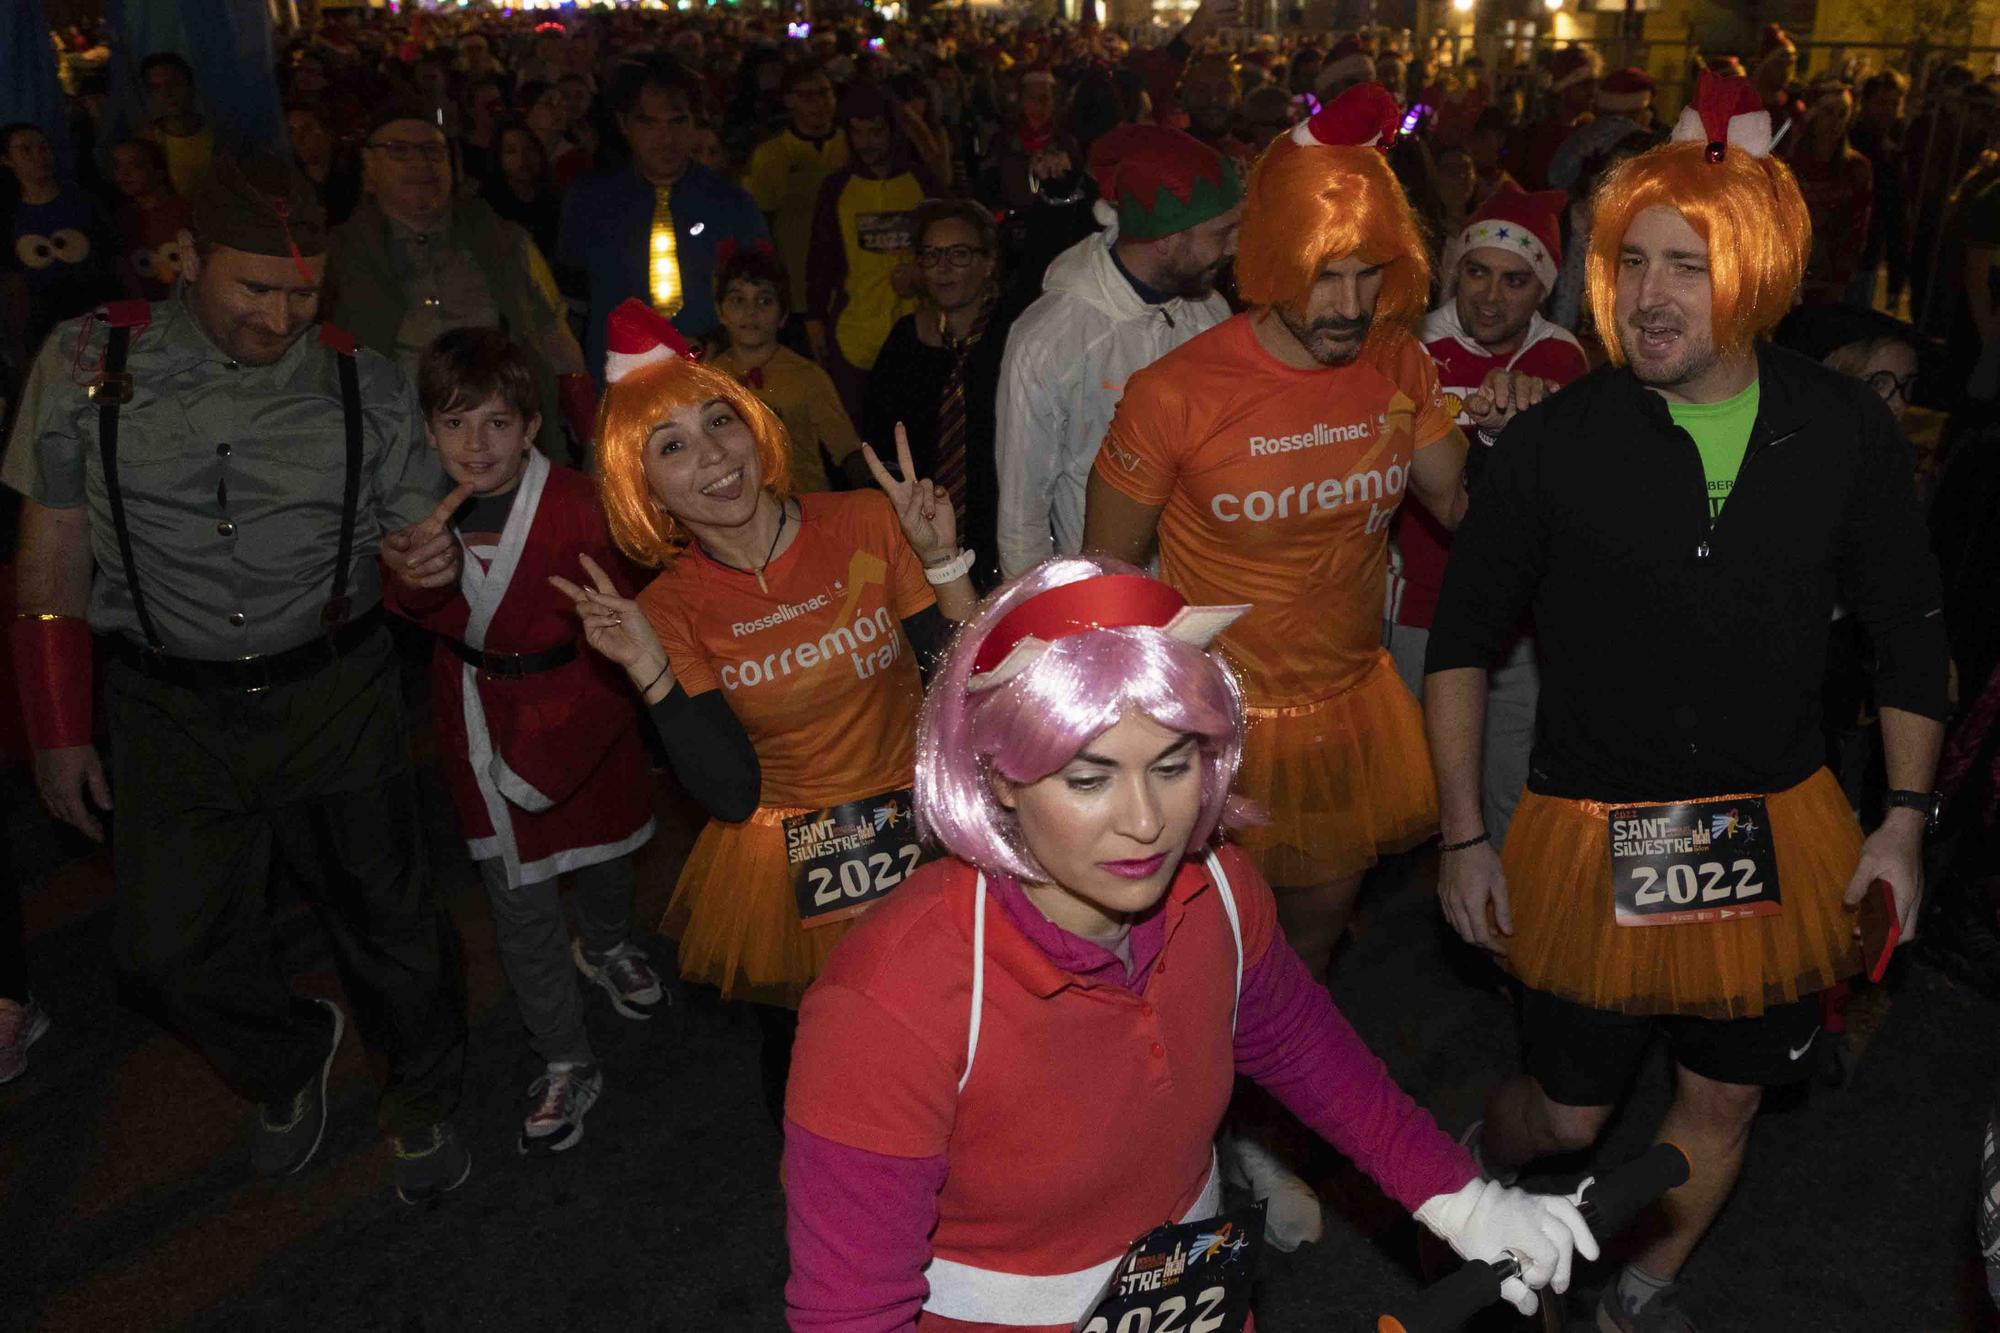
633 409
1746 209
1309 204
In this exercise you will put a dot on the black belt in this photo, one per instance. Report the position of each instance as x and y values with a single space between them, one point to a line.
514 664
250 673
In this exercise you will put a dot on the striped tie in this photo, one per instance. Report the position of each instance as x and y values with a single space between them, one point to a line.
949 469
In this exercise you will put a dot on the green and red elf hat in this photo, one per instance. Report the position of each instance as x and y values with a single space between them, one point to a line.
1160 181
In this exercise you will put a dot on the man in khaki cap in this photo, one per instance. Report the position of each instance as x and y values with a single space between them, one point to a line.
207 482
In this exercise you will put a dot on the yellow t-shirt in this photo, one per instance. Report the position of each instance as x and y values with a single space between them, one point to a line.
784 177
806 402
188 156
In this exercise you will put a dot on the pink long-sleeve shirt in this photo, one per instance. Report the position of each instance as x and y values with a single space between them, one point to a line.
863 1206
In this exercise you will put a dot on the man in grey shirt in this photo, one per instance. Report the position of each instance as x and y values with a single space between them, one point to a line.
207 482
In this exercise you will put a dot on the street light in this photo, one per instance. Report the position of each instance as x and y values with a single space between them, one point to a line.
1463 6
1553 6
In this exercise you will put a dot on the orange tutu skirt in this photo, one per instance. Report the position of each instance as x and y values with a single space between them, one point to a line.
735 918
1341 781
1567 941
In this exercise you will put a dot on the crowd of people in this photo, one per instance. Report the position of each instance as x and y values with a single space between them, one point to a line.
1058 507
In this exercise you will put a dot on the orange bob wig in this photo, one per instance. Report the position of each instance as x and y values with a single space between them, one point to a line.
633 409
1308 204
1746 209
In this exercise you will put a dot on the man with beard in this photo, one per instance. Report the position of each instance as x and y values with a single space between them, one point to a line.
1269 456
1495 355
1681 523
1112 304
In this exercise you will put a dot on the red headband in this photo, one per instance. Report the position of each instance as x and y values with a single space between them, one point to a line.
1109 601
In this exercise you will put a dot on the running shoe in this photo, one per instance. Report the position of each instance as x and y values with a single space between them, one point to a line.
430 1163
626 976
1662 1314
562 1097
1292 1214
288 1132
21 1026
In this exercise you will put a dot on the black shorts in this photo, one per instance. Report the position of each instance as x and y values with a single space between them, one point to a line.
1586 1057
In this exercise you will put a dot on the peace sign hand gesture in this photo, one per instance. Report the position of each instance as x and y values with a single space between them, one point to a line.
922 506
615 627
426 554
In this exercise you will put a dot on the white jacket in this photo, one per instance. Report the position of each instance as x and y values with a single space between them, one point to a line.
1064 370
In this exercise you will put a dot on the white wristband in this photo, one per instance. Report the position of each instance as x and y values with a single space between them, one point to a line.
952 570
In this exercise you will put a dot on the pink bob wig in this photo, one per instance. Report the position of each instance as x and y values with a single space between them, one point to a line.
638 405
1036 722
1746 209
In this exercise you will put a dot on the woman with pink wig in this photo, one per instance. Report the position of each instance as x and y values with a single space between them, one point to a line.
1018 1062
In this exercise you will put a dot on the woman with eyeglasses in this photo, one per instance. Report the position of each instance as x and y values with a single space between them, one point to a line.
938 374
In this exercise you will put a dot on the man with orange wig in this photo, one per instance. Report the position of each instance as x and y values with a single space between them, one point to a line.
1680 523
1267 456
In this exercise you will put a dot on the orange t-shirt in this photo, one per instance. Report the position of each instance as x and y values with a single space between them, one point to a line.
1278 486
817 669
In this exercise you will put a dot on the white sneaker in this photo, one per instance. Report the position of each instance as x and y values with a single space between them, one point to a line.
562 1097
1291 1209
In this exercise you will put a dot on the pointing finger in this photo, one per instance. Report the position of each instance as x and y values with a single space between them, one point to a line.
447 507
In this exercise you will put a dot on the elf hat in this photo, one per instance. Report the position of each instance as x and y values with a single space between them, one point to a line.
637 336
1161 181
1526 225
1625 90
1573 65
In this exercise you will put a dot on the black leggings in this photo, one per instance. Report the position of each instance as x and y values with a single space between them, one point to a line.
778 1027
13 940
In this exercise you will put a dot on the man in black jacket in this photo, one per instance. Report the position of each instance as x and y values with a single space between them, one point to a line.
1680 524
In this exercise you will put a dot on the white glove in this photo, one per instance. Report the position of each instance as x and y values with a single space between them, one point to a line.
1486 1220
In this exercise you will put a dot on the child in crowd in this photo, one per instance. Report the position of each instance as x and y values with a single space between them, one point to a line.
538 738
752 294
150 215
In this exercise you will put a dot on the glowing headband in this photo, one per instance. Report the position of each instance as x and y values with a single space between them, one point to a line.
1108 601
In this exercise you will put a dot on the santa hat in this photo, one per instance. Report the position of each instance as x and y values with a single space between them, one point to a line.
1625 90
1365 116
1573 65
1160 181
1726 113
637 336
1351 61
1526 225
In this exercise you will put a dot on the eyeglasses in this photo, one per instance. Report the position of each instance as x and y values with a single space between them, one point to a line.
1887 384
959 256
402 150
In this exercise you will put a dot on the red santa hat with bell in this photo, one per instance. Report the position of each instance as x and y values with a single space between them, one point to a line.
1528 226
637 336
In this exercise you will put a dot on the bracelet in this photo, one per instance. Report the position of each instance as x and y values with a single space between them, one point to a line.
1469 842
951 570
648 687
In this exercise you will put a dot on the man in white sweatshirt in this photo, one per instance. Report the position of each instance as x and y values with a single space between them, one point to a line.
1111 304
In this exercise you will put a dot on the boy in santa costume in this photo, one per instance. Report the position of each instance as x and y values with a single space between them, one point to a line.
539 739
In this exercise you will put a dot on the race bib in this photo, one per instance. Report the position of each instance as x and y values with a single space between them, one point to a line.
1190 1277
884 233
845 857
1693 862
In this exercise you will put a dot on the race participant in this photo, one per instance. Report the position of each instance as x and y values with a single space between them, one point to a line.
1268 456
1680 523
1494 354
779 652
544 764
1017 1064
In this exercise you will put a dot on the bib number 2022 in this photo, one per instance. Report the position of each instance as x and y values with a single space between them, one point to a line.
857 879
1171 1315
1683 885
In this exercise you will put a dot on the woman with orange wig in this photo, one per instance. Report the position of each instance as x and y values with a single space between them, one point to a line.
780 651
1681 524
1267 457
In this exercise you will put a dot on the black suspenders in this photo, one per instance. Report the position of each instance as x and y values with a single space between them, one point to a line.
114 390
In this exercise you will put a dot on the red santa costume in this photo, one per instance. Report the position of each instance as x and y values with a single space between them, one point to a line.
545 768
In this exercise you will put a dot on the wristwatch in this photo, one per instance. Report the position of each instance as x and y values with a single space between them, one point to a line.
1926 803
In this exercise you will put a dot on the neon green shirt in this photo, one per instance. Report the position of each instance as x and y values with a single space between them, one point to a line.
1721 432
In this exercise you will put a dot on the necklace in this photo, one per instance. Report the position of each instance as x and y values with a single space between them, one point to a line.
759 571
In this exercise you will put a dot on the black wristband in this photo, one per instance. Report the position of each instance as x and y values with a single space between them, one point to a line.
1469 842
648 687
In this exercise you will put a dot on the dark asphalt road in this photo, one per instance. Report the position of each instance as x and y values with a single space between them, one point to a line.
126 1200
